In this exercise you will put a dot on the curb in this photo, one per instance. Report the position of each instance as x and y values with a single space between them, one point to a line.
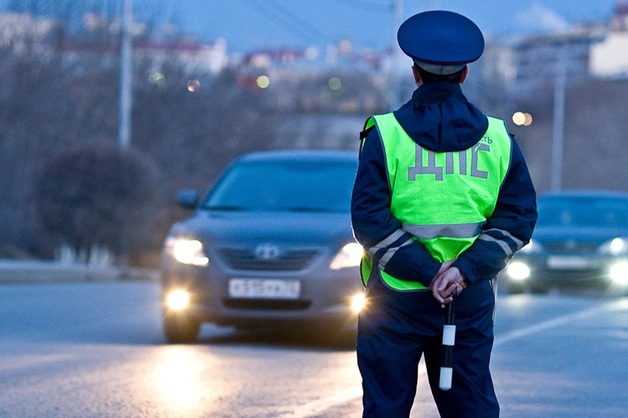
19 271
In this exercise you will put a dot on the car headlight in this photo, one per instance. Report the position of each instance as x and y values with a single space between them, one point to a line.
348 256
619 272
187 251
616 246
518 270
532 247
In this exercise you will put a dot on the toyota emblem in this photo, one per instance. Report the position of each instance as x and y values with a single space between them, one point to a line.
266 251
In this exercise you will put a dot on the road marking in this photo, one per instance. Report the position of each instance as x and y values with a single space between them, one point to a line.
553 323
353 393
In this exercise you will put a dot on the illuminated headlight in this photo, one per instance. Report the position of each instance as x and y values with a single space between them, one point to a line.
518 270
619 272
616 246
349 256
178 299
358 301
532 247
187 251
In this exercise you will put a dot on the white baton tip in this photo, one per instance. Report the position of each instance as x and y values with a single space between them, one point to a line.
445 378
449 335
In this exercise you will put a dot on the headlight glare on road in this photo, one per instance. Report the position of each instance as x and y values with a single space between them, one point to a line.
187 251
349 256
358 301
178 300
518 270
619 272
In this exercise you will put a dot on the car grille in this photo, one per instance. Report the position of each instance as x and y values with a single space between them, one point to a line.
289 260
570 247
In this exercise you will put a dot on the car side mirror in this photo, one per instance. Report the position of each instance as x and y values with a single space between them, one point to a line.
188 198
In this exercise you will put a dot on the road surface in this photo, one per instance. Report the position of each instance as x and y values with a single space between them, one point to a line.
95 349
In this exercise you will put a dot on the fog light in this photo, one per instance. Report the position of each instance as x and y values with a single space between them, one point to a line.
357 302
178 300
518 271
619 273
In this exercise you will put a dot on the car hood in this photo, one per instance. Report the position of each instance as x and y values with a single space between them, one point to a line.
245 227
590 234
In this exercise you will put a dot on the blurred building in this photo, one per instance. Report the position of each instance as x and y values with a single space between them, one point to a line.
22 32
336 79
98 40
525 62
609 58
192 57
100 37
339 56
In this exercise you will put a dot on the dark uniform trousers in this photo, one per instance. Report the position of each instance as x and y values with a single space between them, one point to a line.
397 328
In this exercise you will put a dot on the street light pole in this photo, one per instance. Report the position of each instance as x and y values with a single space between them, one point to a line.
126 99
558 122
395 94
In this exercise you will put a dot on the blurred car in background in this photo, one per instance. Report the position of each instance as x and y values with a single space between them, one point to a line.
271 244
581 239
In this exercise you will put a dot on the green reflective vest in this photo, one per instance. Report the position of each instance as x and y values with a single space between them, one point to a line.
442 198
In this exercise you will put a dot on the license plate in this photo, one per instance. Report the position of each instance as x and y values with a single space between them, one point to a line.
264 289
569 262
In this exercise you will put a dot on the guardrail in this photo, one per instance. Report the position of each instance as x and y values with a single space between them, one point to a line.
36 271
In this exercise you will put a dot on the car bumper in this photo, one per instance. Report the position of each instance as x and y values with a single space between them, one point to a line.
567 271
324 295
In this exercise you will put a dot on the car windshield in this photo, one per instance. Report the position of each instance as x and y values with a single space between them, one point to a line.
302 185
583 212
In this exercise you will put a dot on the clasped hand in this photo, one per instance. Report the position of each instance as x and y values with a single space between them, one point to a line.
447 280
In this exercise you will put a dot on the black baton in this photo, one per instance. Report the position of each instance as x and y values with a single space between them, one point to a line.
449 339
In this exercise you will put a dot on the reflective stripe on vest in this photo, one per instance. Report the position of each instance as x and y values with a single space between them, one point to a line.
463 184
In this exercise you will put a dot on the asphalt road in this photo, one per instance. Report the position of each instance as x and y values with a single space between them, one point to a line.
95 349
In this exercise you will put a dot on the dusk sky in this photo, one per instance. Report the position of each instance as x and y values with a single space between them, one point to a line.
251 24
256 24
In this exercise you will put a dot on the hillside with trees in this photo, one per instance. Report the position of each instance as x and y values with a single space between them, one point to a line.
58 139
68 188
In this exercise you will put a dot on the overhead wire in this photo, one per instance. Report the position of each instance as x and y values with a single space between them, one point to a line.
286 19
366 5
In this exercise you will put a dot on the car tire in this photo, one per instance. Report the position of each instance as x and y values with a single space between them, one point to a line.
539 290
515 288
180 328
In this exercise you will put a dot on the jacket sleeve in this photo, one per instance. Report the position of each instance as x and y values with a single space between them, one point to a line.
376 229
508 229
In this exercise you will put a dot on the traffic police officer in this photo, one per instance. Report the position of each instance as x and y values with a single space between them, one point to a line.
442 200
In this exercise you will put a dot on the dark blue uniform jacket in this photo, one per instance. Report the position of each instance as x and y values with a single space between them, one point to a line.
440 118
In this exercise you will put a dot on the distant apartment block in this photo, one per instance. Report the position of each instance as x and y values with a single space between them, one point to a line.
99 40
597 50
609 58
534 59
519 63
22 32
